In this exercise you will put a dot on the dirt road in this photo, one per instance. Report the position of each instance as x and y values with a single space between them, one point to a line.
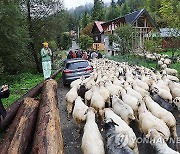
72 138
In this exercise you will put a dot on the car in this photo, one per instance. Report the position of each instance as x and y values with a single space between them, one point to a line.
75 68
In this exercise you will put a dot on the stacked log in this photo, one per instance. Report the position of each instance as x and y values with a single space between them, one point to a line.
19 134
48 138
12 110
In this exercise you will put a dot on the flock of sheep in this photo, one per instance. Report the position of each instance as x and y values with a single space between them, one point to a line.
118 93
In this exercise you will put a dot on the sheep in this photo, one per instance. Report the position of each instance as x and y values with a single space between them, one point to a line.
164 66
122 109
132 92
158 143
160 63
163 103
123 128
82 90
173 78
167 61
176 101
171 71
162 114
130 100
104 93
79 111
97 101
115 141
166 95
88 96
70 98
92 142
77 82
139 89
141 84
175 91
148 121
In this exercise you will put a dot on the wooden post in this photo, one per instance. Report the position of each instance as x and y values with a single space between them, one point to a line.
48 137
19 134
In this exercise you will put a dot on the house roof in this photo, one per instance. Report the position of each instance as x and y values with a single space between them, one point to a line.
99 26
131 18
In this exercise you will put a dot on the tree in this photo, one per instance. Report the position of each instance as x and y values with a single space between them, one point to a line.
13 37
84 19
123 38
37 12
87 30
113 11
85 42
98 11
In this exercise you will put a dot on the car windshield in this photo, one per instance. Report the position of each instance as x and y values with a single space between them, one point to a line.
76 65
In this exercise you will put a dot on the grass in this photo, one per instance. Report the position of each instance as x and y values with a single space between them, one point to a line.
19 85
136 60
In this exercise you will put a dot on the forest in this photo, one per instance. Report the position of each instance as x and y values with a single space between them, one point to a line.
25 24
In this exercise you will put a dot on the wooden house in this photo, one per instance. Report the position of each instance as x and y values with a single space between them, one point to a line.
141 20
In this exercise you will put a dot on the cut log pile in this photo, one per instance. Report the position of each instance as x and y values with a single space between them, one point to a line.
36 127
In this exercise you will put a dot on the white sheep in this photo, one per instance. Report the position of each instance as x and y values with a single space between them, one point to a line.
175 91
104 93
171 71
70 98
79 111
148 121
162 114
92 142
176 101
130 100
158 142
122 109
77 82
123 128
97 101
88 96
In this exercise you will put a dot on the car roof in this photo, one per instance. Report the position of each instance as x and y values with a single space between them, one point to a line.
74 60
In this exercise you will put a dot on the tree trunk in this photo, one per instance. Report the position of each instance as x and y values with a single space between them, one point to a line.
19 134
31 43
48 137
12 110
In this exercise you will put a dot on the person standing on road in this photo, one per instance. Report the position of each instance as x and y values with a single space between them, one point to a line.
46 54
4 93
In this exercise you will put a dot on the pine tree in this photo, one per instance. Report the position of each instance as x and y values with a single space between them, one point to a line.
98 10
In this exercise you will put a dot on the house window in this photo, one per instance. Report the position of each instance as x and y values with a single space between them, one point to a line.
96 38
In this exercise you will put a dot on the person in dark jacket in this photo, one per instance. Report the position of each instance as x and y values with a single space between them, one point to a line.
4 93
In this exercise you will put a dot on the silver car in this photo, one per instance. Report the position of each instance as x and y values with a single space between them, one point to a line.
75 68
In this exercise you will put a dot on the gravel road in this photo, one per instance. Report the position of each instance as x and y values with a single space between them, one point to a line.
72 137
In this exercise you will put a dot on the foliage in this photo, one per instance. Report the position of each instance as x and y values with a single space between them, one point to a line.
87 30
19 85
98 11
85 42
13 37
113 11
123 37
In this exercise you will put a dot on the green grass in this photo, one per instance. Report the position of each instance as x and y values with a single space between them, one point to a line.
136 60
19 85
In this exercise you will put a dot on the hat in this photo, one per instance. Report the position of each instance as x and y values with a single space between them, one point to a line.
45 44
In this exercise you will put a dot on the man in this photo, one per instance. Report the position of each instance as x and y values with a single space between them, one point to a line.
46 54
4 93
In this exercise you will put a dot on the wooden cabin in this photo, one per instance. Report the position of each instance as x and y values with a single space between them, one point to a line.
141 20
